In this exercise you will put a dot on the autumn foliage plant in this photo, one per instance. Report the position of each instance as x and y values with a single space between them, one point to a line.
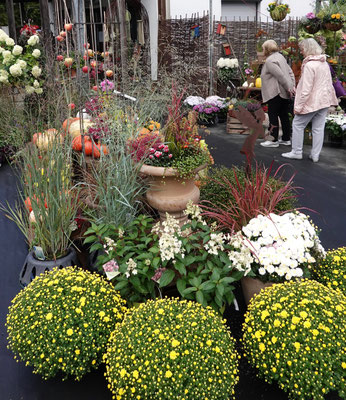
294 334
249 196
169 350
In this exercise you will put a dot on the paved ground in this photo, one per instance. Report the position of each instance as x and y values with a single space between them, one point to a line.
324 191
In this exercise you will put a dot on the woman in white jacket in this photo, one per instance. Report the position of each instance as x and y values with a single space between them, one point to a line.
314 95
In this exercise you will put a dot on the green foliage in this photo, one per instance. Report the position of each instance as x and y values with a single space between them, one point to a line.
331 271
294 333
150 258
61 322
169 350
212 191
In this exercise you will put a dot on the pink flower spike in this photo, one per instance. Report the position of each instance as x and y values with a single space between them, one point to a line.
170 155
152 150
151 156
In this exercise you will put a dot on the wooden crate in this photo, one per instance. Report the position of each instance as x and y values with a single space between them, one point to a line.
235 126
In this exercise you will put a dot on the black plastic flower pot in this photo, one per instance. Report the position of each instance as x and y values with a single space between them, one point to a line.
33 267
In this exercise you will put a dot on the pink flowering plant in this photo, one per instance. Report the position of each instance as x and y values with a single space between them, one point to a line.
144 258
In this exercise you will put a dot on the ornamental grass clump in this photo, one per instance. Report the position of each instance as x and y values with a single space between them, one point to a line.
171 349
60 323
331 271
294 333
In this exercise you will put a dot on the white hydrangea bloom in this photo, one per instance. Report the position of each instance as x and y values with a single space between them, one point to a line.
9 41
3 36
15 70
3 76
21 63
33 40
215 244
36 71
36 53
37 85
39 91
29 89
17 50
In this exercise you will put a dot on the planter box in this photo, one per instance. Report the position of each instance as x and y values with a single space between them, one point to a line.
235 126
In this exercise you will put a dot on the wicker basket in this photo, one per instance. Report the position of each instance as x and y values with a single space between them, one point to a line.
278 15
333 27
312 28
235 126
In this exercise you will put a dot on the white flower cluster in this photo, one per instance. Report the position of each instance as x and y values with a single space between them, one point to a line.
109 245
213 100
33 40
227 63
194 100
169 244
280 244
215 244
131 268
194 212
13 67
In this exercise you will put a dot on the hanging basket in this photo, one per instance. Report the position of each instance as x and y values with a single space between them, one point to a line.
312 28
278 14
333 27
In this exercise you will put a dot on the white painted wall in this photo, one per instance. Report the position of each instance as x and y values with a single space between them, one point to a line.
189 7
299 8
238 11
153 14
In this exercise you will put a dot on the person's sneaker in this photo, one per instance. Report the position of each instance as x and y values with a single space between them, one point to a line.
285 142
268 143
313 159
292 155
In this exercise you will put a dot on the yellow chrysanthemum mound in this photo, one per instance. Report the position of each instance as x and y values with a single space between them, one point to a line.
294 333
332 270
170 349
62 321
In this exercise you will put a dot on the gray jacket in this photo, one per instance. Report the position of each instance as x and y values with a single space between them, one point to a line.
277 77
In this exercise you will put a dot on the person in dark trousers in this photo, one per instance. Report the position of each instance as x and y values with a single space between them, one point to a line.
277 88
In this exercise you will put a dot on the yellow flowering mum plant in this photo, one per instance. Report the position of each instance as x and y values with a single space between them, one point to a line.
61 322
331 271
169 350
294 333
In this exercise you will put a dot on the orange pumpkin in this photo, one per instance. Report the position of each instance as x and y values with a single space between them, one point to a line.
77 142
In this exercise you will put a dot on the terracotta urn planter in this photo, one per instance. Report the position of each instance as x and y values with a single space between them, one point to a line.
169 192
252 287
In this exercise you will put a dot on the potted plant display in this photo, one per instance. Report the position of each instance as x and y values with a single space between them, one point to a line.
144 259
48 207
172 164
275 248
334 129
227 69
333 22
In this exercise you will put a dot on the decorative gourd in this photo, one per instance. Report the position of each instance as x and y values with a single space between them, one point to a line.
75 127
258 83
67 123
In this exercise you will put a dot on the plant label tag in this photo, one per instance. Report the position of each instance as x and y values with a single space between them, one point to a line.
111 269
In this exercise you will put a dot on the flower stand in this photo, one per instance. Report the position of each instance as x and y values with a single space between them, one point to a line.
33 267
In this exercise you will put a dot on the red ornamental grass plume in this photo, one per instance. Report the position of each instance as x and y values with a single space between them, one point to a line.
256 196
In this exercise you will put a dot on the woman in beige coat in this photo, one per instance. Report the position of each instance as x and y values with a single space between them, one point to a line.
315 94
277 87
